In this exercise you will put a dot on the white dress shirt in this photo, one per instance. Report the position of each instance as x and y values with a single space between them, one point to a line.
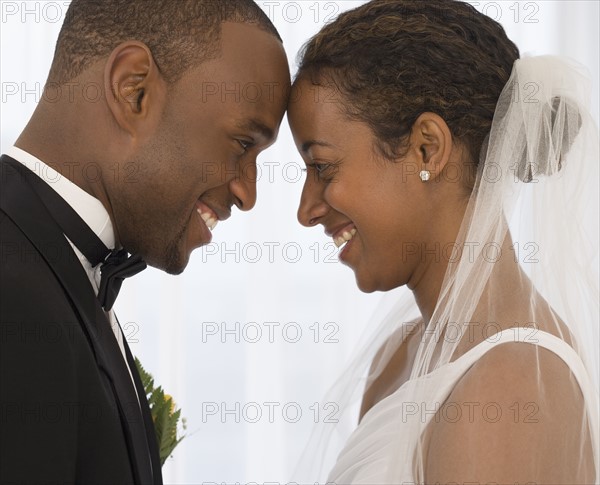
90 210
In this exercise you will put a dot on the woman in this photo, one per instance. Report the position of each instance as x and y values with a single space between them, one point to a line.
422 132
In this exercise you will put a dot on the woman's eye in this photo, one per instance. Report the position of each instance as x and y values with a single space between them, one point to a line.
322 170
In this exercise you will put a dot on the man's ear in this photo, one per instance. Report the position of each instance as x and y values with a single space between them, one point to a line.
431 143
135 87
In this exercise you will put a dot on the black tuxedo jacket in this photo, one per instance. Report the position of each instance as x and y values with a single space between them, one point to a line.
68 409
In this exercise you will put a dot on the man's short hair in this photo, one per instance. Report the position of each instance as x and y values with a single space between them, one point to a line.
179 33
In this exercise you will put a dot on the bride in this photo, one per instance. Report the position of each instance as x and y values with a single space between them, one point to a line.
443 162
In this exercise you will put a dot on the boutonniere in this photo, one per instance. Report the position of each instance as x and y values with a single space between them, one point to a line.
165 415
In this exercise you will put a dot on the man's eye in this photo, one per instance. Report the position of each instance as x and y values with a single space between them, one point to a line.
246 145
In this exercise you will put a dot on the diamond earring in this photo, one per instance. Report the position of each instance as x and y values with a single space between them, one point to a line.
425 175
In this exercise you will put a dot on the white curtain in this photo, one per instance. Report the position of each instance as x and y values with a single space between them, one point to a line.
250 336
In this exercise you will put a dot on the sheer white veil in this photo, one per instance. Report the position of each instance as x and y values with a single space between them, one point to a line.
528 236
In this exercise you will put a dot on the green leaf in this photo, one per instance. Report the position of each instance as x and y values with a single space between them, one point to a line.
165 416
147 380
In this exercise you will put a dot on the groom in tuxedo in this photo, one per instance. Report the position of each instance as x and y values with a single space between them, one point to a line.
147 135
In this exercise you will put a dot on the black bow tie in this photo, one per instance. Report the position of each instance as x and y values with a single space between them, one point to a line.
116 265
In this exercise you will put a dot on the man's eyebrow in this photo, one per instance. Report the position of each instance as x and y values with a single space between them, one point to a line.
308 144
257 127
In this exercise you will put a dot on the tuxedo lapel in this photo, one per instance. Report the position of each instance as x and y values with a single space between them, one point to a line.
21 204
148 422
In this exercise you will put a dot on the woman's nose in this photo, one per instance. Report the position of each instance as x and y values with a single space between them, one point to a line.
312 205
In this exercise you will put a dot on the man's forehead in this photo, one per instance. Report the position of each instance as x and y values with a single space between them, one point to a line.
239 40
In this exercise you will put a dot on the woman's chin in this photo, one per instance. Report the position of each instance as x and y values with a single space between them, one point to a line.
366 284
371 283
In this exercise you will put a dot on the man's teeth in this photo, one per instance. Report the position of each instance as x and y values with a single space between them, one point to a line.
344 238
210 221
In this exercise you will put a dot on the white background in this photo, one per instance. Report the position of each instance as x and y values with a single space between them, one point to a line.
249 279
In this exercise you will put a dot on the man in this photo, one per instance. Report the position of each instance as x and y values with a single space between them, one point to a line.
153 116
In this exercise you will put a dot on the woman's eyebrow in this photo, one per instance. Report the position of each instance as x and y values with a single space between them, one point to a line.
308 144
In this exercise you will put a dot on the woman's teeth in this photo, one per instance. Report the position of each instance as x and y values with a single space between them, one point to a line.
344 238
209 219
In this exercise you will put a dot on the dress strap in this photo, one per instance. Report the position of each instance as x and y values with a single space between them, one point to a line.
531 336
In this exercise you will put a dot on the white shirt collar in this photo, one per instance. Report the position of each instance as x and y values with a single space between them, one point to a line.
88 207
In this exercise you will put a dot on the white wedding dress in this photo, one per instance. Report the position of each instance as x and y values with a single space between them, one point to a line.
371 454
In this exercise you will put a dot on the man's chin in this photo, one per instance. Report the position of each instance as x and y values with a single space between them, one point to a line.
173 260
176 263
174 270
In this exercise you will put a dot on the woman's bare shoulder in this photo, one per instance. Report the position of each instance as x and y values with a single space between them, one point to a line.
526 397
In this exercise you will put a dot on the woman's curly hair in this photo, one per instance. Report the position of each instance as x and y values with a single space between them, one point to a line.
392 60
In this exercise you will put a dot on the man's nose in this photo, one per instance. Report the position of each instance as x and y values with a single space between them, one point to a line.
243 187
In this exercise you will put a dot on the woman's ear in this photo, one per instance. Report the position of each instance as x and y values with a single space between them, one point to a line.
431 143
135 87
